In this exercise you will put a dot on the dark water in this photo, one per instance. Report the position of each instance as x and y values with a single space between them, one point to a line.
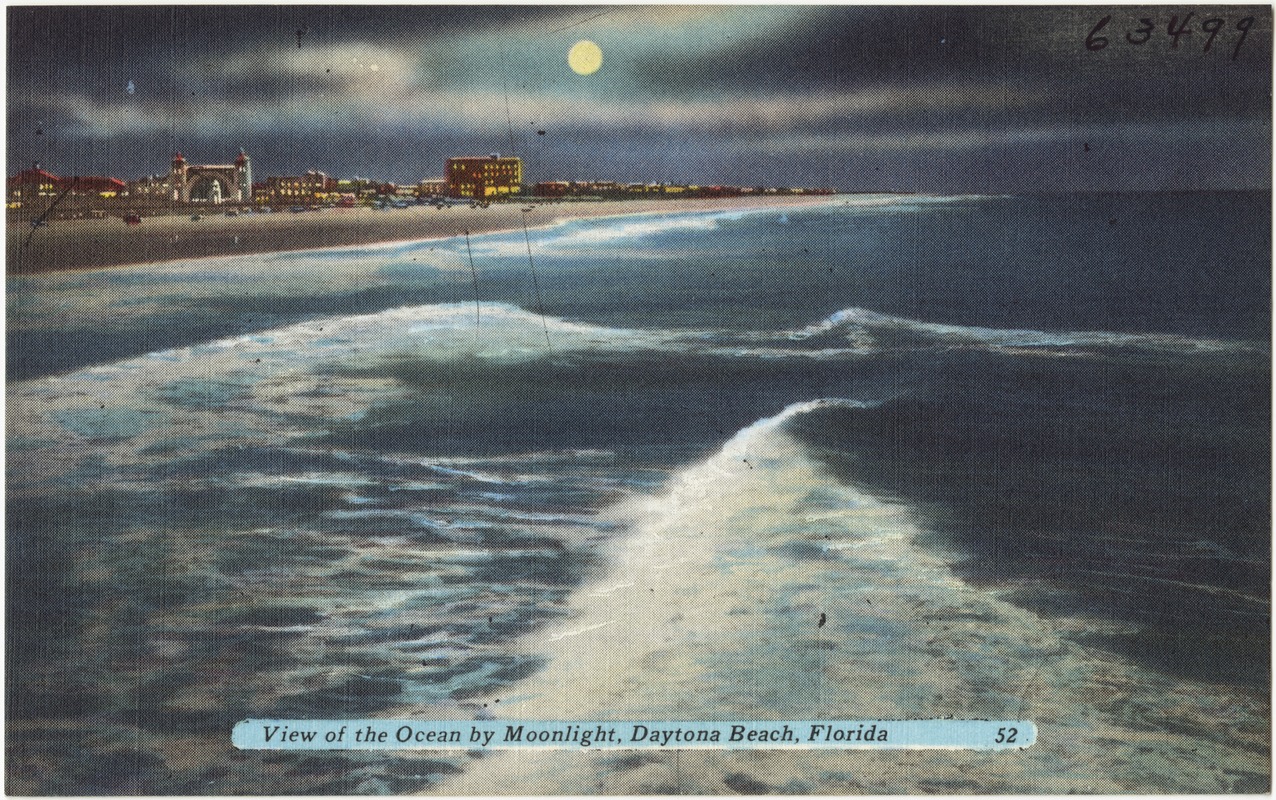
310 485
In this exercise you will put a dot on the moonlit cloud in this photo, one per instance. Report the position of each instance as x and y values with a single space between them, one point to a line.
708 94
364 97
350 65
966 139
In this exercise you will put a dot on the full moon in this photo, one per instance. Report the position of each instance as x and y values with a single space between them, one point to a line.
585 58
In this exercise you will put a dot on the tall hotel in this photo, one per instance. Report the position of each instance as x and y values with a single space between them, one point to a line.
484 176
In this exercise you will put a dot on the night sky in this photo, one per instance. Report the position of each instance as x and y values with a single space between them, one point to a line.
961 99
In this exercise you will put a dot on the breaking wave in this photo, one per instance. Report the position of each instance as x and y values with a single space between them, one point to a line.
867 329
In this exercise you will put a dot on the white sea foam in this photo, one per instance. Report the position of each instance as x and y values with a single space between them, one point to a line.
502 333
289 383
573 236
754 586
866 328
588 234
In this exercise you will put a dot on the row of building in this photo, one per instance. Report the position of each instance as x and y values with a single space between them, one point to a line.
479 177
484 178
610 190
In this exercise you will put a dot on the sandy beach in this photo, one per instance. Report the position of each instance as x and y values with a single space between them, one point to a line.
85 244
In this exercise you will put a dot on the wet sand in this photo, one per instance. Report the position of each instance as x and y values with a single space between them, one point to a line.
85 244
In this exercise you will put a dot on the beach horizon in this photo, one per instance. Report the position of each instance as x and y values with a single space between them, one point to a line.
86 244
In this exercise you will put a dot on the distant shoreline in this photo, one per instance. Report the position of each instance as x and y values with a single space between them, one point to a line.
95 243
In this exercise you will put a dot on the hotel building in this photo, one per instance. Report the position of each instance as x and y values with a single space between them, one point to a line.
484 176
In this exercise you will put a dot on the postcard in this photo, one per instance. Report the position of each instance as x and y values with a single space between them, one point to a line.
557 400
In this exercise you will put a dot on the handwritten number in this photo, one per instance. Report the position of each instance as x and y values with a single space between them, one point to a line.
1181 30
1243 26
1175 31
1146 30
1093 42
1212 27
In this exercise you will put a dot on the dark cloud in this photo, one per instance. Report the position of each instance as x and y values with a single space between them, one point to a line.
953 98
1041 49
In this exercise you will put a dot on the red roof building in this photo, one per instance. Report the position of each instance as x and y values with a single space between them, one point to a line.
36 182
33 183
94 184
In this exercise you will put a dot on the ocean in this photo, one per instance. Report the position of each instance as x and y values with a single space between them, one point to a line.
1015 451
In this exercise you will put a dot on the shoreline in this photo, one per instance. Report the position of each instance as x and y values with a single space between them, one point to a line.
79 245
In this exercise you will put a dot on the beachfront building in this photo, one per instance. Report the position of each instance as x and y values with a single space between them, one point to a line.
211 183
312 187
552 188
149 189
432 187
95 186
484 176
363 188
243 176
720 191
30 186
39 188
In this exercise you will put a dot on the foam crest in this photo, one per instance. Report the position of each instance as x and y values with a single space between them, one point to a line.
442 332
632 228
567 236
338 365
868 329
741 444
